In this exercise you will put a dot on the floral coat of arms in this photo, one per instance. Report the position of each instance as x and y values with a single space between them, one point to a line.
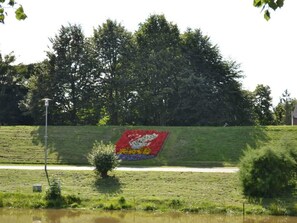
140 144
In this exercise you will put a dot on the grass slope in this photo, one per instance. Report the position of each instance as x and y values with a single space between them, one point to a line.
185 146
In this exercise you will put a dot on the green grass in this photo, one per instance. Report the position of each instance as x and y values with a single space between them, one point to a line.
127 190
185 146
149 191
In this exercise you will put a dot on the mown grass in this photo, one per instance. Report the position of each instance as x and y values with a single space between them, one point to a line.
149 191
127 190
185 146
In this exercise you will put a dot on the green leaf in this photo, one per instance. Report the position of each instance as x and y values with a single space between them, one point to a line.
1 10
257 3
19 13
11 2
273 5
280 3
267 15
2 18
2 1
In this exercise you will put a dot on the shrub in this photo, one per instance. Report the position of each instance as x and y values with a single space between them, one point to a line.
103 158
72 200
267 172
54 191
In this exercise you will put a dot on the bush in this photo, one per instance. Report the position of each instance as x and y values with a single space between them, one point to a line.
54 191
72 200
267 172
103 158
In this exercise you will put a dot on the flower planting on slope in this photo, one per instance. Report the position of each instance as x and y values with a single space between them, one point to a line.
140 144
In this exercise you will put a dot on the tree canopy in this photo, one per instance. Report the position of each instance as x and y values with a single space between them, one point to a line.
13 81
155 76
11 4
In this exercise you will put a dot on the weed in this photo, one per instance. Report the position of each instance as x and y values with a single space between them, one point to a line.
1 201
277 209
122 200
72 199
175 203
149 207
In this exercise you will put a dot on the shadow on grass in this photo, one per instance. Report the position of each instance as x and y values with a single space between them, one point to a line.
109 185
72 144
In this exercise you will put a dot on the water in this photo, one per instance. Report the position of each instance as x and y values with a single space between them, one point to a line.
75 216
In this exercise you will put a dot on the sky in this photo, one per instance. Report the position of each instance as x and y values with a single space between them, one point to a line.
264 50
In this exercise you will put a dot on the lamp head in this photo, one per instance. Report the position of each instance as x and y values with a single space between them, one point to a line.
46 101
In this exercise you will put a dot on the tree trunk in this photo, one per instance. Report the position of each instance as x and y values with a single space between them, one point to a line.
104 174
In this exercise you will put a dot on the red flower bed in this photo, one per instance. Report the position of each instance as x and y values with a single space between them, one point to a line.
140 144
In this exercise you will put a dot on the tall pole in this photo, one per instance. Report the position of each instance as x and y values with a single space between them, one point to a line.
46 103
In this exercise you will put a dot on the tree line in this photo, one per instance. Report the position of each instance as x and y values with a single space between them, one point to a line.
154 76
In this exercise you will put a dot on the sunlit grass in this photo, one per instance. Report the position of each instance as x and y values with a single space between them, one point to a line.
140 190
150 191
185 146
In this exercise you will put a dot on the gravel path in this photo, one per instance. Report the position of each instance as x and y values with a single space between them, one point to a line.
164 169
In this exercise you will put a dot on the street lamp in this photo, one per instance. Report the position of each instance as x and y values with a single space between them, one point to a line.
46 103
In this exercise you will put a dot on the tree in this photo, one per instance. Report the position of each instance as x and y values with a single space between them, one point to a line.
71 77
155 77
103 158
39 87
19 11
279 114
157 67
289 105
283 110
266 5
209 91
112 54
263 105
12 90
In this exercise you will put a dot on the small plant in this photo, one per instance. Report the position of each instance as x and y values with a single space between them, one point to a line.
53 195
1 200
149 207
122 201
175 203
111 207
54 191
72 200
103 158
277 208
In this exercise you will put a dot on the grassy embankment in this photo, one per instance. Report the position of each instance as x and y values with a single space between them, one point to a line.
186 146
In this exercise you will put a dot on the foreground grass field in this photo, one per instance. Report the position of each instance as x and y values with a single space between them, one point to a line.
158 191
185 146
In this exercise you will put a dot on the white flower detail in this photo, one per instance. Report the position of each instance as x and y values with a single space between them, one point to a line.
142 141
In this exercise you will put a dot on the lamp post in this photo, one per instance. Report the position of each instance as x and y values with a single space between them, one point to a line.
46 103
